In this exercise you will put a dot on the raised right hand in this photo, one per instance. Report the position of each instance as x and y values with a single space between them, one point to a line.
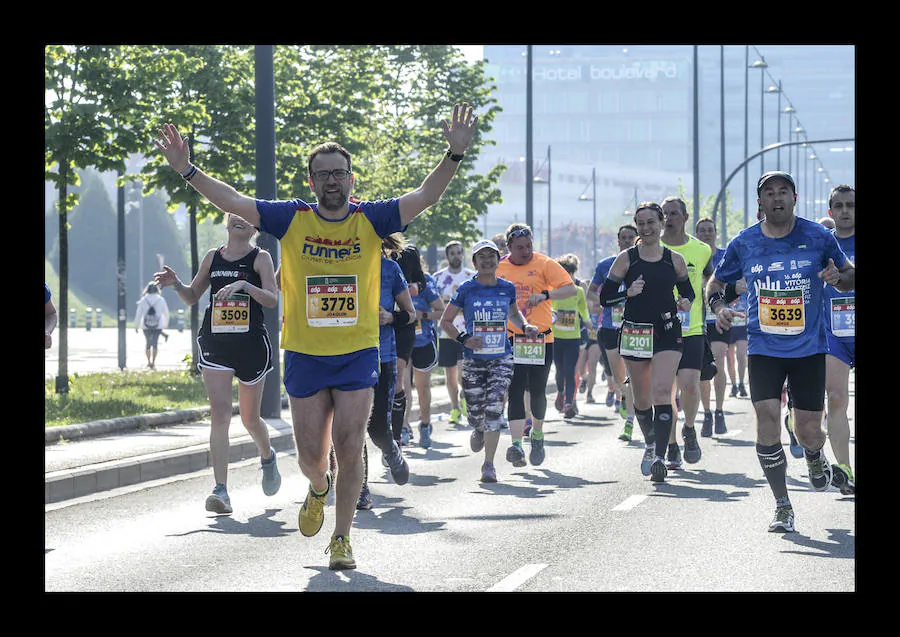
174 147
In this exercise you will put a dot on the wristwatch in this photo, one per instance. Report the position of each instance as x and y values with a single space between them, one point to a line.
453 157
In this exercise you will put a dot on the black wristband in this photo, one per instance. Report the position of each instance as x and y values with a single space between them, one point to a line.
462 337
546 293
730 292
401 318
452 157
718 296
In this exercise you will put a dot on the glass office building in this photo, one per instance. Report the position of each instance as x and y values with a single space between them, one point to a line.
626 114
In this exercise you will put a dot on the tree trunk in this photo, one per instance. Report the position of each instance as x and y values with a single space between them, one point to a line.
62 374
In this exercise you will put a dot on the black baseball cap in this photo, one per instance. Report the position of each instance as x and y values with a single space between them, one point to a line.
775 174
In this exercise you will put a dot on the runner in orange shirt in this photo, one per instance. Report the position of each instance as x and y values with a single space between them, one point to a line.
536 276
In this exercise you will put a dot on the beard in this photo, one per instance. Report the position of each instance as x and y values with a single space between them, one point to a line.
455 263
333 200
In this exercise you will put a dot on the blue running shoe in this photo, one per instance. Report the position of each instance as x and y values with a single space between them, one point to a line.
516 455
425 435
649 457
218 501
271 479
536 456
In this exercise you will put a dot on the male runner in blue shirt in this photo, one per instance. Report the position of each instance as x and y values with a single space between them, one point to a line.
784 259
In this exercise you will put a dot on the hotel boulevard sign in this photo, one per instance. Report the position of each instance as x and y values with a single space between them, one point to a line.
593 71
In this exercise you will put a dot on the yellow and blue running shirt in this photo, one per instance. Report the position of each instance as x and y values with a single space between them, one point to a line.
330 273
696 255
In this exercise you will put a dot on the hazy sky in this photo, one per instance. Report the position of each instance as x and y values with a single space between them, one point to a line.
472 52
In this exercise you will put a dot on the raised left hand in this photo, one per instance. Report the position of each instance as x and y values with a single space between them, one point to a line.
461 130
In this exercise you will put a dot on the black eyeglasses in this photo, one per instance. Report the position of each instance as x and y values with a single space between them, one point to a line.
340 174
521 232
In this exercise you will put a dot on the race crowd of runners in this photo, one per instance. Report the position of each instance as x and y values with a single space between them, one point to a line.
664 326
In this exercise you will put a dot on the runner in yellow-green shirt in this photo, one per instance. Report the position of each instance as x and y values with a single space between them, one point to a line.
697 255
570 314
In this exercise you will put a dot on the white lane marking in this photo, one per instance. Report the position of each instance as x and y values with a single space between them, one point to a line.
629 503
516 579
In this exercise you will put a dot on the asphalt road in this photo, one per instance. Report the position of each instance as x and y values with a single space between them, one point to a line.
585 520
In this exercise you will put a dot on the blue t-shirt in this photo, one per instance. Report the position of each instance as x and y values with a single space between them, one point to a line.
46 293
486 312
600 274
841 318
392 283
773 268
425 332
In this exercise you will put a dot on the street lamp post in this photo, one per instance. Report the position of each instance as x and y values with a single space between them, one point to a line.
777 89
762 66
810 210
746 134
593 198
540 180
789 111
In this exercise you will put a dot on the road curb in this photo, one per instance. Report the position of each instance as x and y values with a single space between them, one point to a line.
90 479
103 476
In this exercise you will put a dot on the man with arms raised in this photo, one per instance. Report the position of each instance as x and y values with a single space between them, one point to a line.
331 253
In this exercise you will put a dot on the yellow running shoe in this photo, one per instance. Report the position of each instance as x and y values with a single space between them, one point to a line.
341 553
312 513
454 416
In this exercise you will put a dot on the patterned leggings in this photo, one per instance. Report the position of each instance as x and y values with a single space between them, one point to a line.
485 383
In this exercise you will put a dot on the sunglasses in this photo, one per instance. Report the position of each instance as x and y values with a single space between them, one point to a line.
521 232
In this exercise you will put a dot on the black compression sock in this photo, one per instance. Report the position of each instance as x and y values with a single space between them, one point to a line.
662 424
645 422
774 466
398 411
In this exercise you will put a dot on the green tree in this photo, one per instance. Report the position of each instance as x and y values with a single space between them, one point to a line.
212 103
424 83
385 105
95 114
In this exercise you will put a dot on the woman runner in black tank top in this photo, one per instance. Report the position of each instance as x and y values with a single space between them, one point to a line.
233 341
650 339
656 302
223 272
